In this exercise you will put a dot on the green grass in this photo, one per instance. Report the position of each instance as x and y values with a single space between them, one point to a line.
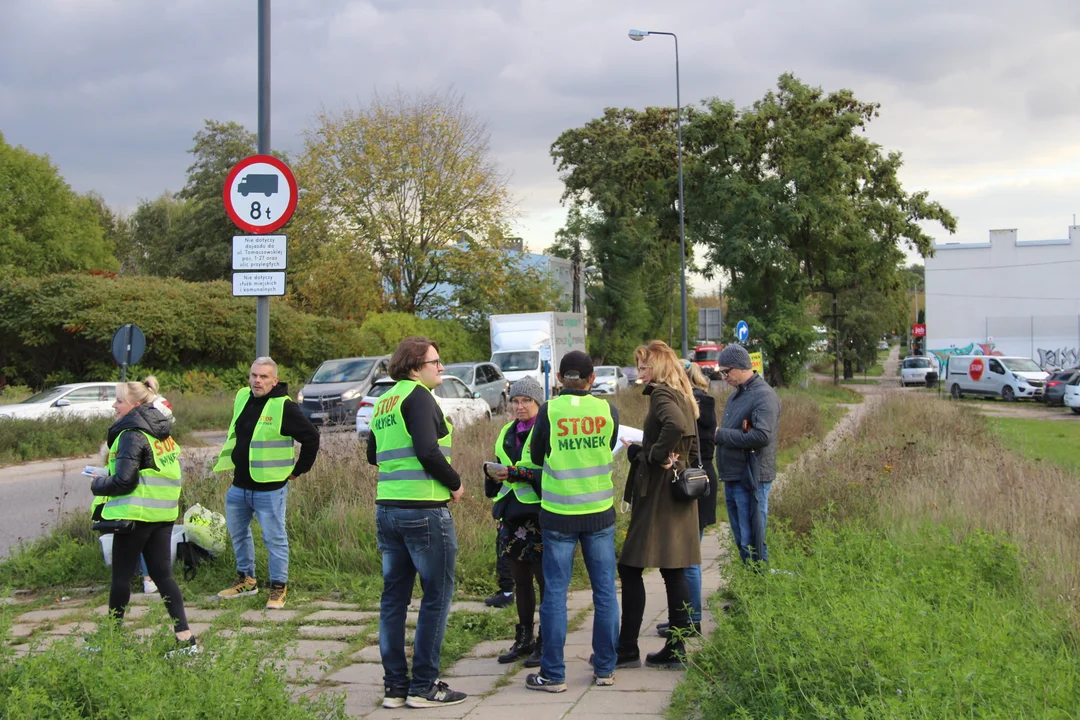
872 624
1053 441
25 440
14 393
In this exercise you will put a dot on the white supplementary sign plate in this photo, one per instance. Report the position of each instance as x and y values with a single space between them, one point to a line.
259 252
258 284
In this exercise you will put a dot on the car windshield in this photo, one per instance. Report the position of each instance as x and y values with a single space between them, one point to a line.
522 360
461 372
1020 365
45 396
337 371
604 371
917 362
700 355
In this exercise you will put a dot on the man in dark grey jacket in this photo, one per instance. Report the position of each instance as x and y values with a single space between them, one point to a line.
750 426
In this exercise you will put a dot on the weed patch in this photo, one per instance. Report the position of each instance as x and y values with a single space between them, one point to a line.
25 440
928 623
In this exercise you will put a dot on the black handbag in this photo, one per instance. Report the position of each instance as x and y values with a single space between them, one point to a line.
119 527
691 483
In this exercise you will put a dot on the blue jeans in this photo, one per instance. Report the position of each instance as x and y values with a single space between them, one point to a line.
693 581
598 549
240 507
744 521
414 541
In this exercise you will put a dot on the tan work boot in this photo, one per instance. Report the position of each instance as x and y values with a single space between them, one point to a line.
244 585
277 596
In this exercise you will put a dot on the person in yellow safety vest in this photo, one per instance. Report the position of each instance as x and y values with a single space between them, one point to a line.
517 508
259 449
139 499
572 442
411 444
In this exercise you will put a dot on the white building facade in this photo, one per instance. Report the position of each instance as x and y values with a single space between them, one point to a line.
1006 297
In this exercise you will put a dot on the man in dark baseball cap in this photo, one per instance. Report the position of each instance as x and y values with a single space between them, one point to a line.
576 365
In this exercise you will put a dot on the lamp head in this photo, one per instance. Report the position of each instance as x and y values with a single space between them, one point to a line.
637 35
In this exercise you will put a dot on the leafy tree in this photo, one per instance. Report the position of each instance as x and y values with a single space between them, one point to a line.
115 228
44 225
794 199
405 177
155 229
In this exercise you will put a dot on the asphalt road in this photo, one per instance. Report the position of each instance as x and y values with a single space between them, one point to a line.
34 495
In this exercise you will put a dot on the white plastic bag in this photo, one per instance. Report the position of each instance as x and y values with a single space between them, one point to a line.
206 529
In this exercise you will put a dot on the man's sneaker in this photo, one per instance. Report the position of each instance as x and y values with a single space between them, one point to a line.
148 586
244 585
394 698
624 659
500 599
537 681
604 680
439 695
278 591
184 648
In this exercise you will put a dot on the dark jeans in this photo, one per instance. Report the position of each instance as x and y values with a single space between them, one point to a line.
502 569
633 602
748 515
153 541
414 542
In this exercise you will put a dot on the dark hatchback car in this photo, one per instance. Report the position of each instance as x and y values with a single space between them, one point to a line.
1054 392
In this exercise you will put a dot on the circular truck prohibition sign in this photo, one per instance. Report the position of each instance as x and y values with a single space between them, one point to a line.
260 194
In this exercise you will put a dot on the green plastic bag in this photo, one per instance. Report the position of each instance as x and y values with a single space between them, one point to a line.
206 529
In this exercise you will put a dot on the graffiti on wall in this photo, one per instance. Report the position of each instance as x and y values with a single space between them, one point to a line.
1063 357
974 348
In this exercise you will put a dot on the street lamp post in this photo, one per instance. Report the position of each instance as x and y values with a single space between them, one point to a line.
638 36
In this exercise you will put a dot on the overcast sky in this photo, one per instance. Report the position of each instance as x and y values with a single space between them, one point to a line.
982 97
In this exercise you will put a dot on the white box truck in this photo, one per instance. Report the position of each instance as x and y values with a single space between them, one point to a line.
520 342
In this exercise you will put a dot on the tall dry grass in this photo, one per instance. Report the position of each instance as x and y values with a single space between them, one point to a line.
916 459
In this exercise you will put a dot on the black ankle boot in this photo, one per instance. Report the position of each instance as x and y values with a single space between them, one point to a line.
522 647
538 649
672 657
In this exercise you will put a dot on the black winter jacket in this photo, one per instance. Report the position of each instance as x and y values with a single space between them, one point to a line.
134 452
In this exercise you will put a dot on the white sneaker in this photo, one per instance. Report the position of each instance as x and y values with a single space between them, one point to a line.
148 586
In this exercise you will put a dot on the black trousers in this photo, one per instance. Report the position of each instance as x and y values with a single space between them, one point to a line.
502 568
633 601
154 542
524 573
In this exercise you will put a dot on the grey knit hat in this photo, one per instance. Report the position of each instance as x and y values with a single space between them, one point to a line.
734 356
528 387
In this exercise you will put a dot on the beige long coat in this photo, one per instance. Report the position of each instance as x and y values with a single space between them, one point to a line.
663 531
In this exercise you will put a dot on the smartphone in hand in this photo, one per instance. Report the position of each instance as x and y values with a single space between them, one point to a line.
491 469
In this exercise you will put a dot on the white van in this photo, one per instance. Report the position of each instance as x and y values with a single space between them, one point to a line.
1010 378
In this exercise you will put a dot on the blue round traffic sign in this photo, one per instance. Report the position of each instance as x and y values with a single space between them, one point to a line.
742 331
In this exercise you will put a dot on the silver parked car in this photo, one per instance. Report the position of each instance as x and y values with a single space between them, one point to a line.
333 393
484 380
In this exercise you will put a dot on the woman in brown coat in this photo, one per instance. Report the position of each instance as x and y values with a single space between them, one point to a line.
663 531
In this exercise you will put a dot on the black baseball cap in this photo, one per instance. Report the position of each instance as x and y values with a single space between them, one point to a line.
576 365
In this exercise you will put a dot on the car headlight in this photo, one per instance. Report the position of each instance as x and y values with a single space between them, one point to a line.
300 396
350 394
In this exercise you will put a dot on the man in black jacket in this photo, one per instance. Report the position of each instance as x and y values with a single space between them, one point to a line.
259 449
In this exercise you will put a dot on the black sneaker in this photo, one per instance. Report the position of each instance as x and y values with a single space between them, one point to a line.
537 681
624 659
438 695
394 698
500 600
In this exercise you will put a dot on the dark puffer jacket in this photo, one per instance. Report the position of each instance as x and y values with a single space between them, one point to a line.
756 403
134 452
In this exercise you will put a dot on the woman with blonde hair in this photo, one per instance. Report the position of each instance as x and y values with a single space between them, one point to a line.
139 499
663 531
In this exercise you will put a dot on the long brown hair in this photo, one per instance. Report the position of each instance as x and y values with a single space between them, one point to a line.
667 368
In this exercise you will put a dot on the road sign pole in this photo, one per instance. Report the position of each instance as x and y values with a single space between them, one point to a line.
127 352
262 303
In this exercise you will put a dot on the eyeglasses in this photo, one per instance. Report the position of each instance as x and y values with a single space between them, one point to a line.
722 374
436 361
521 401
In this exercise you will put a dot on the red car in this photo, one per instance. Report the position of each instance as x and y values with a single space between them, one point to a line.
706 357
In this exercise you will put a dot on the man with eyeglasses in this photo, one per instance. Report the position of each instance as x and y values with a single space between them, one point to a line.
410 442
750 425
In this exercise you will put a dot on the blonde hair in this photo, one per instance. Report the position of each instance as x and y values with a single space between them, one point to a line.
138 393
697 378
667 368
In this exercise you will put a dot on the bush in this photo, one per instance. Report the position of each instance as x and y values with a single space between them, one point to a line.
129 677
23 440
858 624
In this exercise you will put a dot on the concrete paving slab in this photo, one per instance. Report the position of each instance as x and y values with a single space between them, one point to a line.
334 605
470 606
646 702
199 615
359 674
260 616
370 654
490 648
22 630
315 649
645 679
476 666
341 617
330 632
39 616
546 711
472 684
